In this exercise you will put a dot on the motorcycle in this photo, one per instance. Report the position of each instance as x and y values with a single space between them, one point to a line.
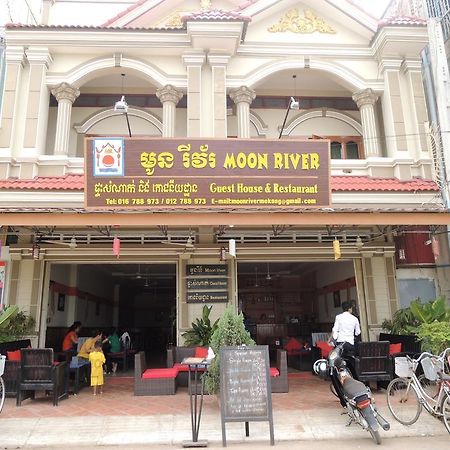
354 395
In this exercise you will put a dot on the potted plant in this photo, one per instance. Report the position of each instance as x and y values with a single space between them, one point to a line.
230 332
14 323
201 331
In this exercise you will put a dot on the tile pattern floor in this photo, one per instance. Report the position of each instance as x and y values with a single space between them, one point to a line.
306 392
308 412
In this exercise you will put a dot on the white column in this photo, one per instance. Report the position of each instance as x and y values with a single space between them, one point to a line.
243 98
37 106
169 97
194 61
218 93
365 101
10 111
66 95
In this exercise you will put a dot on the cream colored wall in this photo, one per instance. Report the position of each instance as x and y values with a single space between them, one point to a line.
259 31
273 118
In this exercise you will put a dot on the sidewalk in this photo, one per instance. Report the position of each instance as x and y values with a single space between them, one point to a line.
308 412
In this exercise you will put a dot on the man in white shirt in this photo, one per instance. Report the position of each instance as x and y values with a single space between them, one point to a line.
346 327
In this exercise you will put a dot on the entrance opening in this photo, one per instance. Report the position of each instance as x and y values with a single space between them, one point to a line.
136 298
294 302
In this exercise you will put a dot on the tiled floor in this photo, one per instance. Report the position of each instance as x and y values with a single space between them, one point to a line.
306 392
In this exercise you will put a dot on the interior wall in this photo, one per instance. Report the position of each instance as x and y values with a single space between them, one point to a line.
330 274
94 307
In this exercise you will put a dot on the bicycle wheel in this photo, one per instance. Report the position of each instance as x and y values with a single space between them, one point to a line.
403 401
2 393
445 408
431 388
375 436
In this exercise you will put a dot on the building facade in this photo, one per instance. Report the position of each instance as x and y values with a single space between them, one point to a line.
236 73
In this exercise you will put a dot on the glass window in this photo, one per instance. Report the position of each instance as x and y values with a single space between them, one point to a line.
352 150
336 150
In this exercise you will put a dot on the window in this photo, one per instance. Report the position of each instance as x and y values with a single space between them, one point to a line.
346 147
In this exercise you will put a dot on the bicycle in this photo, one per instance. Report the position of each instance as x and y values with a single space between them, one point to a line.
407 394
2 383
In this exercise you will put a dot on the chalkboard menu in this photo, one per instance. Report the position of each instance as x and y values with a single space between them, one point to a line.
207 283
245 390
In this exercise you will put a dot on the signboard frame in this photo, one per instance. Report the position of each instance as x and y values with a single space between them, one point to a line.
225 378
207 273
207 174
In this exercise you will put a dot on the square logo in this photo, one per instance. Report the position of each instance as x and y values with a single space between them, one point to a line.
108 157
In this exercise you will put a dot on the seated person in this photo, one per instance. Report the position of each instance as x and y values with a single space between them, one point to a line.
71 338
89 345
114 346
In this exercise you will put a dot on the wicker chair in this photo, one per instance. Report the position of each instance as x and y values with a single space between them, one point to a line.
12 368
174 357
281 382
372 361
163 383
39 372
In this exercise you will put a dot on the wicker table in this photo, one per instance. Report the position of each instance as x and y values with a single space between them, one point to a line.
196 366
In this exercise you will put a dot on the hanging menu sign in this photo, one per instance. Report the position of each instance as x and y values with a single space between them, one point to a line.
206 174
245 391
206 283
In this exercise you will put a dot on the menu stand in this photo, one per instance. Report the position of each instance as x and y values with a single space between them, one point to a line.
195 366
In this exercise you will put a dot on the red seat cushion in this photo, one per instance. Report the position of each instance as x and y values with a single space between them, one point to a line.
395 348
181 367
274 372
201 352
159 373
293 346
325 348
13 356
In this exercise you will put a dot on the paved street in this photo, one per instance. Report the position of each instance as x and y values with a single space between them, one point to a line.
412 443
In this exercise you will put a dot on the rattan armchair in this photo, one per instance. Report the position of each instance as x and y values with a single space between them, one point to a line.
39 372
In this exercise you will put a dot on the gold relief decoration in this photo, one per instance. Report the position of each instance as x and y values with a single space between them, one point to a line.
292 21
205 4
174 21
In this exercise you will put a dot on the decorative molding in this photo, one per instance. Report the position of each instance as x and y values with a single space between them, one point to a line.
102 115
84 72
258 123
65 92
322 112
169 93
365 97
243 94
39 55
352 79
308 24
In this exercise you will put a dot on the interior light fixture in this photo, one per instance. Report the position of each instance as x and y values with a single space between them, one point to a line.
359 243
36 251
256 277
268 276
73 242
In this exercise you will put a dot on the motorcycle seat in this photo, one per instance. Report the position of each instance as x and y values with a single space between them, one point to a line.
354 388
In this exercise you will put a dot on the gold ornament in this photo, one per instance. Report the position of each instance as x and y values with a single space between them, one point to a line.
310 23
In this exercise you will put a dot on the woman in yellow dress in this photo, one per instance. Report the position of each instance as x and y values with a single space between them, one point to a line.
97 359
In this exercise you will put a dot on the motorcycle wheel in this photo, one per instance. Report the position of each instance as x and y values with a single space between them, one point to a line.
333 390
375 436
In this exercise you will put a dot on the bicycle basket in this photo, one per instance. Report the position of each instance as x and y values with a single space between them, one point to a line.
403 367
431 368
2 364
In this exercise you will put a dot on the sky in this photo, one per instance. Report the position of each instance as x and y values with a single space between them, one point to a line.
374 7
